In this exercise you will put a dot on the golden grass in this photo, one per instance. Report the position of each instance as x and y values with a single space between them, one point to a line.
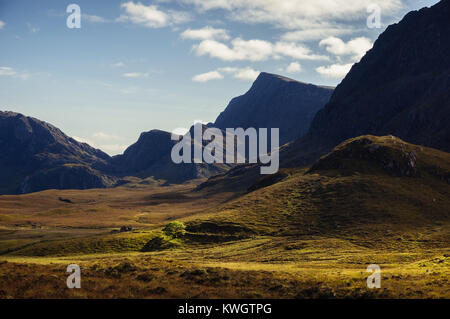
310 235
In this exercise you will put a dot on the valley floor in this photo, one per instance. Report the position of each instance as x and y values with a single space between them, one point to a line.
304 237
233 270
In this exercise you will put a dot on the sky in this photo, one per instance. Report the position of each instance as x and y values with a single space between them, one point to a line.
133 66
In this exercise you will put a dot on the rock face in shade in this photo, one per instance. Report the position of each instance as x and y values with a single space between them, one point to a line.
150 148
400 87
68 176
150 156
31 149
275 101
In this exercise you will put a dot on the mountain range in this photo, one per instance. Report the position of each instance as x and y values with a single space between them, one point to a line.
38 156
401 87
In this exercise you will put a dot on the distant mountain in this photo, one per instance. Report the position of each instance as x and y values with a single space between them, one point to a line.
272 102
150 148
35 155
150 156
275 101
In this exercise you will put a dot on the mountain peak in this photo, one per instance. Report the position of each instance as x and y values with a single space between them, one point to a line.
265 77
275 101
271 76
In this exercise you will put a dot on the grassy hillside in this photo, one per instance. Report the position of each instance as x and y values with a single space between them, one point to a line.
302 233
366 187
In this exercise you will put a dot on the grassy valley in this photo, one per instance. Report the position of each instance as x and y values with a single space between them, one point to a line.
309 233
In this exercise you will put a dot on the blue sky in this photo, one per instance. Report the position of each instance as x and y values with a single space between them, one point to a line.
135 66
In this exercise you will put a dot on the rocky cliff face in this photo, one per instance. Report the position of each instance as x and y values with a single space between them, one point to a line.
275 101
401 87
29 148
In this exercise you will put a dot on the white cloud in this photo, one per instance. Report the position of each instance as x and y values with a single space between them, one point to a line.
251 50
8 71
295 14
294 67
245 74
82 140
113 149
151 16
356 48
2 24
208 76
179 17
335 71
206 33
135 75
254 50
315 33
110 144
93 18
118 65
297 51
180 131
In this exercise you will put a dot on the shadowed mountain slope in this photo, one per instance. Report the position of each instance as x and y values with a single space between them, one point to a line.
275 101
150 156
400 87
36 155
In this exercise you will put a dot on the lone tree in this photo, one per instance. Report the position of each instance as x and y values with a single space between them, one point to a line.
175 230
